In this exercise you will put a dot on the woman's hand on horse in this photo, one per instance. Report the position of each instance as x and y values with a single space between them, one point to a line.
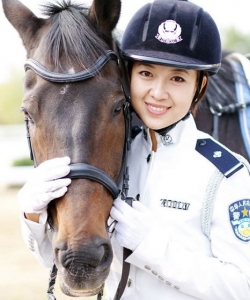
133 223
45 184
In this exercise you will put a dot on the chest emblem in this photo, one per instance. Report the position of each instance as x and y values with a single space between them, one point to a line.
239 213
169 32
166 140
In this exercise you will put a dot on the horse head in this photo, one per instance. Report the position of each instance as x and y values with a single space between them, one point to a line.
73 102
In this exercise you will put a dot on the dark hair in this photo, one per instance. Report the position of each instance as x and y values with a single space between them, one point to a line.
201 93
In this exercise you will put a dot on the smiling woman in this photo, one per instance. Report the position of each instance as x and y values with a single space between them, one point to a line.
151 83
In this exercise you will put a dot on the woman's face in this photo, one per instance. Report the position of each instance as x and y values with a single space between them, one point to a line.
161 95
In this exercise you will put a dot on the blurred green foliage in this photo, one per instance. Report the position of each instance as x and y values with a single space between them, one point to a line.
11 94
24 161
236 41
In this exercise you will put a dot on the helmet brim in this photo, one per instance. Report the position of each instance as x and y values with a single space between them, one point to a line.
172 61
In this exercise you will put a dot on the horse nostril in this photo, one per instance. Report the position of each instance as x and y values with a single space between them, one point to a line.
60 252
97 254
65 259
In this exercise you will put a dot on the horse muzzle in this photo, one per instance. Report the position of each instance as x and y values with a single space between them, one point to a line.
83 270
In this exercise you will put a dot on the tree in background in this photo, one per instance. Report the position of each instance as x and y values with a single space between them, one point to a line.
236 41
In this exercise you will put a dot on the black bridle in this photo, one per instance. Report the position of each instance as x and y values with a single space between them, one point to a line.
82 170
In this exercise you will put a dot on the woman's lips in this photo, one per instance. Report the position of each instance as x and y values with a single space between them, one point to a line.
157 109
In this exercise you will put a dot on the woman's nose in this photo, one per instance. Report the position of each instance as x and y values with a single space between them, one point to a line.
159 91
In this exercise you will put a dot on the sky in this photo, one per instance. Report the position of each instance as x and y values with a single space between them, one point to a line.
226 13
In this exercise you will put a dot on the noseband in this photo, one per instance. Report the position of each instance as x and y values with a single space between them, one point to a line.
80 170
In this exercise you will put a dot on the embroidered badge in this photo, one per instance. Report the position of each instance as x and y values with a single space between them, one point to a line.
239 214
169 32
217 154
166 140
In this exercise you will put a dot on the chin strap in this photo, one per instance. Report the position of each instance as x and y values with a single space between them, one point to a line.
164 131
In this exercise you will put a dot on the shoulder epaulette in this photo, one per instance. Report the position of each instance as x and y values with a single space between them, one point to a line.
225 161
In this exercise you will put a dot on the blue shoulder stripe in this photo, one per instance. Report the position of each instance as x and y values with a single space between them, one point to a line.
225 161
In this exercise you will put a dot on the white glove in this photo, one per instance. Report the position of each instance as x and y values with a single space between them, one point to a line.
44 185
133 223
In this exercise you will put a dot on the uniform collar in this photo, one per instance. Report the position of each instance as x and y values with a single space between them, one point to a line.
181 133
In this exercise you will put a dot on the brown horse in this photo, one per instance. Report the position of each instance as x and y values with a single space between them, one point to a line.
74 103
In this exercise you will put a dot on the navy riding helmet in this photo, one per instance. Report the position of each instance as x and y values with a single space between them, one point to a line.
174 33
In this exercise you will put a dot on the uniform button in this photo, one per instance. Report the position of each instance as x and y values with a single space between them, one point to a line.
129 282
176 287
168 282
161 278
154 272
147 267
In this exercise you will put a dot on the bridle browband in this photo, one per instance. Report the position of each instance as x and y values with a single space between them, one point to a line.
82 170
46 74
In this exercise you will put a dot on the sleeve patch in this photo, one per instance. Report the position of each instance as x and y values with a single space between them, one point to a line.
239 214
226 162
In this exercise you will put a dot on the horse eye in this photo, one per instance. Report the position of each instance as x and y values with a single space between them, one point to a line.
27 116
119 106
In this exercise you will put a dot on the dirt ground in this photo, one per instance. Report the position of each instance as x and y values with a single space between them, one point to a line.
22 276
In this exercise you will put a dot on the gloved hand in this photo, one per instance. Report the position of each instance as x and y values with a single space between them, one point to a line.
44 185
133 223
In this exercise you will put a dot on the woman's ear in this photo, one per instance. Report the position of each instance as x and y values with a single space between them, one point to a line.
202 86
204 81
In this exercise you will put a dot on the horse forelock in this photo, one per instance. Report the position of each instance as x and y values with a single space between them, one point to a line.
71 35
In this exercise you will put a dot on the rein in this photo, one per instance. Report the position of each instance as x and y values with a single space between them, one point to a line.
85 171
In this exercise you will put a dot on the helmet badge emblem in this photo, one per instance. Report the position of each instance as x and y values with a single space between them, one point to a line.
169 32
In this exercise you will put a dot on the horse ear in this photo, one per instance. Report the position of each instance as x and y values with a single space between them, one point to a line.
104 16
23 20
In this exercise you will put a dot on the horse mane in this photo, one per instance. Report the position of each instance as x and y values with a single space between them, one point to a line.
221 87
71 34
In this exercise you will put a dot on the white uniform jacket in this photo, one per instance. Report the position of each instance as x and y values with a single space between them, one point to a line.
177 260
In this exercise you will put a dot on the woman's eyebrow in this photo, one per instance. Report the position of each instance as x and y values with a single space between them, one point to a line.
146 65
181 70
152 66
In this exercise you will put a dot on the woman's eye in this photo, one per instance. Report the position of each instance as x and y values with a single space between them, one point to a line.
145 73
178 79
